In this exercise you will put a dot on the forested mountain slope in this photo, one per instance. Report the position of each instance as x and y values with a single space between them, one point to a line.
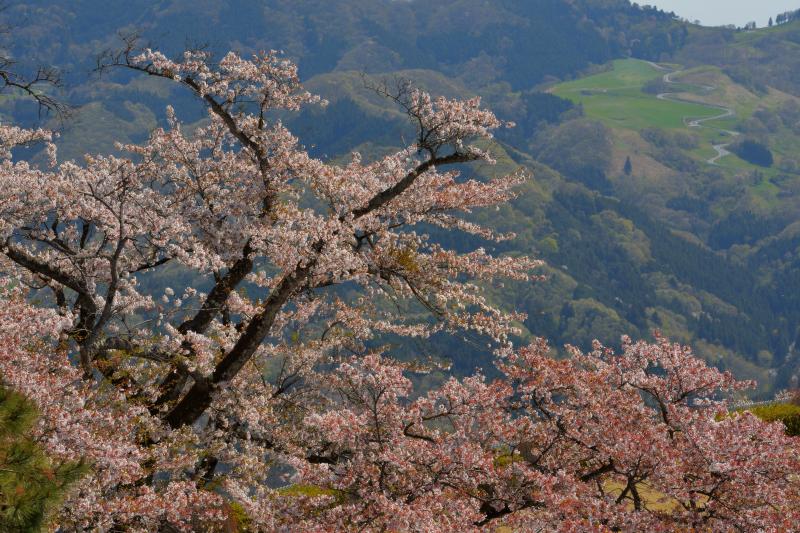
518 41
705 252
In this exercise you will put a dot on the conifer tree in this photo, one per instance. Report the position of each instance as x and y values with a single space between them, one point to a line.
31 484
628 168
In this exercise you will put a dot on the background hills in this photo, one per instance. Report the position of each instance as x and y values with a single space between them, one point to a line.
666 156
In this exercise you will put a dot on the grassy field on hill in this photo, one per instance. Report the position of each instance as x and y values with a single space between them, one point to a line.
616 98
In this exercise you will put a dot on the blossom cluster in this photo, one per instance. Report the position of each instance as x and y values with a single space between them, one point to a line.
636 441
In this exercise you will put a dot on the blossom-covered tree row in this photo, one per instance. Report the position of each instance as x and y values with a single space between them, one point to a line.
184 399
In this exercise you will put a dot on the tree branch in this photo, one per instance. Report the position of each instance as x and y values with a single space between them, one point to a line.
389 194
25 260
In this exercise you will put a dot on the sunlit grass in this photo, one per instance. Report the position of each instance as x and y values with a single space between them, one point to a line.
615 98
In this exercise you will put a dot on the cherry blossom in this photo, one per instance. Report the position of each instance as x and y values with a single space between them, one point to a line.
285 272
600 441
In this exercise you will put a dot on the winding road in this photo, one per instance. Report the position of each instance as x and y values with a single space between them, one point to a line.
721 149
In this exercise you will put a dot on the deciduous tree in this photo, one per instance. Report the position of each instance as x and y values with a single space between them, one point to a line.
183 398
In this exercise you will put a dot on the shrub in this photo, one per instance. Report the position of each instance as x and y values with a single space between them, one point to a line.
753 152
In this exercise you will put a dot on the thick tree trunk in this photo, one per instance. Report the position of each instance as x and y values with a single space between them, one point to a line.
197 400
171 387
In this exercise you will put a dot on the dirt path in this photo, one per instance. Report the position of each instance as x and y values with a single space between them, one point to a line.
721 149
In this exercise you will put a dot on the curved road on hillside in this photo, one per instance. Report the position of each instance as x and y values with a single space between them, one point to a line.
721 149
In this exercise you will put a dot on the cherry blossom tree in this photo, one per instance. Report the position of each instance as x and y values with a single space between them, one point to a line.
638 441
183 399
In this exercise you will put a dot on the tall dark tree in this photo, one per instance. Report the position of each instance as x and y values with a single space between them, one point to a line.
628 168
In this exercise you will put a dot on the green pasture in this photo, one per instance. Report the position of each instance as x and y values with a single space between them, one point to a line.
624 73
616 98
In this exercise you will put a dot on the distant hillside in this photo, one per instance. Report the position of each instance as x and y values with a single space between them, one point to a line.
673 135
769 57
517 41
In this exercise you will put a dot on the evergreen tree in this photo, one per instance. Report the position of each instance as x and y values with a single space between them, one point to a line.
770 23
30 483
628 168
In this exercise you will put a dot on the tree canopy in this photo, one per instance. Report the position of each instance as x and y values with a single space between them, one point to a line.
266 352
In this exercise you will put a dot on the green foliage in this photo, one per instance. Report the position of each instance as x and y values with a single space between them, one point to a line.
753 152
586 319
755 59
580 149
240 522
31 484
505 459
342 125
517 41
670 139
745 77
787 413
656 86
310 491
538 110
757 319
742 227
